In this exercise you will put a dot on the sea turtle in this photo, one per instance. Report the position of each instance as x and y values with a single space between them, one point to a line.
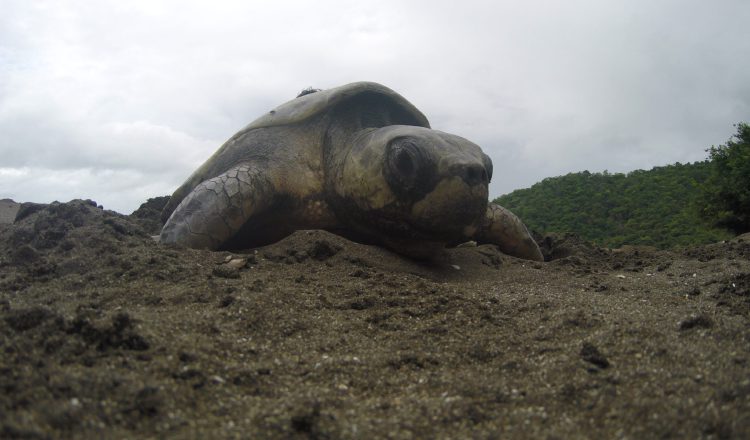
358 160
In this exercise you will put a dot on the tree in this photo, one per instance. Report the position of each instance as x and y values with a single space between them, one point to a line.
658 207
727 190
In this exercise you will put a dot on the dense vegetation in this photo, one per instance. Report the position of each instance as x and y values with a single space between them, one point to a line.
660 207
727 190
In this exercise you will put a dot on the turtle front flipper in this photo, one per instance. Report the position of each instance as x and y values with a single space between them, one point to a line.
217 208
502 228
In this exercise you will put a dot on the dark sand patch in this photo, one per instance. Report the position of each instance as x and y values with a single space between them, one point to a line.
106 333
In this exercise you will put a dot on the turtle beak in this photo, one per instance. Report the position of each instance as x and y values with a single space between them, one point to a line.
456 203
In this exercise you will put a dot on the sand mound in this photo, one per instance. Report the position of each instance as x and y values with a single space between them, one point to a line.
106 333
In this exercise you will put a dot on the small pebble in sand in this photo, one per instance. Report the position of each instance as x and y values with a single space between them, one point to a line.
237 263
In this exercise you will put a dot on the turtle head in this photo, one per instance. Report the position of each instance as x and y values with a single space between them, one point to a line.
414 183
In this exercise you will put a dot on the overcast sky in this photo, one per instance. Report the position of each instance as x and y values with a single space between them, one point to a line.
119 101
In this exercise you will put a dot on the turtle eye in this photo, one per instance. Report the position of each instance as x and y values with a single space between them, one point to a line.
406 166
404 161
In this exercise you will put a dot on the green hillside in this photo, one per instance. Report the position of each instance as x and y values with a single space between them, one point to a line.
659 207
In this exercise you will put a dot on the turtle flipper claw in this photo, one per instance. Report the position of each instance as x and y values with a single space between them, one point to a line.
502 228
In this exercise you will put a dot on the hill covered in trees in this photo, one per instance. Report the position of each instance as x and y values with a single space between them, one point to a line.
660 207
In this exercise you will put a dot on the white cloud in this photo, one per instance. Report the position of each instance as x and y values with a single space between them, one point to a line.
119 190
120 101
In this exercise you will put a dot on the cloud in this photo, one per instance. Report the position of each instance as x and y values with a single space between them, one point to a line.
119 190
93 95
